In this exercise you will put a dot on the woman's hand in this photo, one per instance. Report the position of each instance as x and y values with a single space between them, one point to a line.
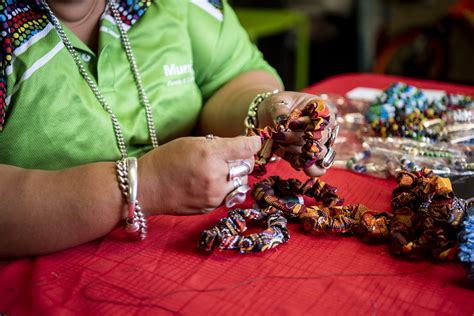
277 107
190 175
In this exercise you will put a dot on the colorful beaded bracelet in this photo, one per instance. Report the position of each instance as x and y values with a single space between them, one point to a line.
228 233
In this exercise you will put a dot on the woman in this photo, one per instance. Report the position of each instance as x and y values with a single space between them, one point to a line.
86 83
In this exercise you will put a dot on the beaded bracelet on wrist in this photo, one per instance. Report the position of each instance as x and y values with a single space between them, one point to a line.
251 120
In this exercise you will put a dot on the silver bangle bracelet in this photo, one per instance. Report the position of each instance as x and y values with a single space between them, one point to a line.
127 175
251 120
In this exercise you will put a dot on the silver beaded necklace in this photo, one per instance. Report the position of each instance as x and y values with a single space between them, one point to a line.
95 89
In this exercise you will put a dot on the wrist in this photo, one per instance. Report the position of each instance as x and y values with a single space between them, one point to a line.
152 187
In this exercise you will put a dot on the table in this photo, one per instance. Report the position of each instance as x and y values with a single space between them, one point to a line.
165 274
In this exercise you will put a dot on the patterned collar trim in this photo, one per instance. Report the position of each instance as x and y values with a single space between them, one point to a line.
217 4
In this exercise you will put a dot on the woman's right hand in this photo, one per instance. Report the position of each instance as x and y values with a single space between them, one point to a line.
190 175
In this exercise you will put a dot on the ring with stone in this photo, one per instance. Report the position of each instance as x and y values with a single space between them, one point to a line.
209 136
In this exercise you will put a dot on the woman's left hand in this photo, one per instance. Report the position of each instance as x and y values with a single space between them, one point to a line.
277 107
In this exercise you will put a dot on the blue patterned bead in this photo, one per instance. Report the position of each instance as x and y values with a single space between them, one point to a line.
466 239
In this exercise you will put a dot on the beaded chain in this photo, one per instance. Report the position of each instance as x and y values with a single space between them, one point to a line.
319 118
405 111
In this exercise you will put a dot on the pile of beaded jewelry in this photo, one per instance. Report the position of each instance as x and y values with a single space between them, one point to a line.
405 111
384 157
426 216
318 118
425 220
279 200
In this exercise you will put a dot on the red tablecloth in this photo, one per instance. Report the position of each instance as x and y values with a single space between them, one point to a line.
165 274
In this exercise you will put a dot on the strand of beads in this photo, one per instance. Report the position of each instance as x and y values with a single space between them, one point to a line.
353 164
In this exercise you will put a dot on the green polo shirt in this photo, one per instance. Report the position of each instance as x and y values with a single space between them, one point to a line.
185 51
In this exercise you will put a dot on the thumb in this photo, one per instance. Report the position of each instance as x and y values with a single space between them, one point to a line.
274 109
280 108
241 147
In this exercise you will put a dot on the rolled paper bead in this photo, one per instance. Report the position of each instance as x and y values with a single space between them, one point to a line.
360 168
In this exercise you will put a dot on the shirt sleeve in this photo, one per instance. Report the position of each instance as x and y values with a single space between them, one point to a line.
221 48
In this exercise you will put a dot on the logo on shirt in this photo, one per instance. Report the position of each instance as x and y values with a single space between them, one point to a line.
184 72
175 70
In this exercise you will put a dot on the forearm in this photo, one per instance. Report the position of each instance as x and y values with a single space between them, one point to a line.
47 211
224 112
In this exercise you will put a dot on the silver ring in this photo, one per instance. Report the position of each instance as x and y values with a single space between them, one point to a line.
284 102
237 196
239 168
237 182
333 136
328 159
209 136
